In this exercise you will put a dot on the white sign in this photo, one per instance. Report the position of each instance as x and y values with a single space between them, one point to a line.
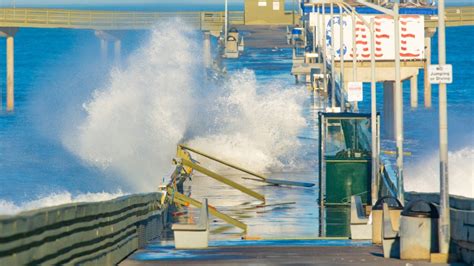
262 3
440 74
276 5
313 22
354 92
412 36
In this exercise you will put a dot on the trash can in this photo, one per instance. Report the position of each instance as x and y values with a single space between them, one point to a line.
234 33
395 208
418 230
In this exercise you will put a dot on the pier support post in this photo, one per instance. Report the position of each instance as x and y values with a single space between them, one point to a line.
207 50
9 34
426 83
10 74
110 36
414 91
118 51
104 50
388 109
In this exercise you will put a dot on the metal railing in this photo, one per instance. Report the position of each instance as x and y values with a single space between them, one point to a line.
110 20
455 16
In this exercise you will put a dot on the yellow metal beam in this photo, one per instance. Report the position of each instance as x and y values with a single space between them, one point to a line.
222 179
223 162
184 200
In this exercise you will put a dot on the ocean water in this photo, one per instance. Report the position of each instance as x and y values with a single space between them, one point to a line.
87 130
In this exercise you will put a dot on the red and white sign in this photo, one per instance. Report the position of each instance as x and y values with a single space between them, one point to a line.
355 92
412 36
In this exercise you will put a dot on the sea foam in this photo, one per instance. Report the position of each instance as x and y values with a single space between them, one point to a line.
162 98
424 175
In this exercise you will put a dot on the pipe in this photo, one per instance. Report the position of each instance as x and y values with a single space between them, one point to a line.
324 44
354 56
373 113
341 56
398 105
444 223
225 23
333 51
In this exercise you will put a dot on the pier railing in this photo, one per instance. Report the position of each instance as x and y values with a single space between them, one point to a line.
100 233
110 20
455 16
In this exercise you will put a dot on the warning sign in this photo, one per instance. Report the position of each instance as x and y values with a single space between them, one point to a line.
354 92
440 74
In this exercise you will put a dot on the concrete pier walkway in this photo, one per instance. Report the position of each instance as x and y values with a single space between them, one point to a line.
268 255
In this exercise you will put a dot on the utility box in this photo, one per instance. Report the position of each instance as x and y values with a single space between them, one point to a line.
266 12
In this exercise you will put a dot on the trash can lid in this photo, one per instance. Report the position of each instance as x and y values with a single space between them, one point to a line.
392 202
420 209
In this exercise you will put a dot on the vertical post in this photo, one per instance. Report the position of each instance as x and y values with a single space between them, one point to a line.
341 56
354 55
322 176
10 73
207 50
373 113
414 91
294 21
324 45
398 105
320 36
333 54
427 84
104 50
118 51
225 23
388 109
444 223
314 32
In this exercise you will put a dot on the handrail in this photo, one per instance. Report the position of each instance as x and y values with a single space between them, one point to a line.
109 20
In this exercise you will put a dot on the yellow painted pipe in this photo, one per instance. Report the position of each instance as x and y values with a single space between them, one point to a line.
184 200
222 179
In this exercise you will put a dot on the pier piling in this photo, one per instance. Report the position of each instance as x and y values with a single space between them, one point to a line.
104 50
388 110
426 83
117 51
9 34
10 73
414 91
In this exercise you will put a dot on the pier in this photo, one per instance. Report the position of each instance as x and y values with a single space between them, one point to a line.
328 215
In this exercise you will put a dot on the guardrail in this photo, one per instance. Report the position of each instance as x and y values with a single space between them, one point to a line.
101 233
455 16
110 20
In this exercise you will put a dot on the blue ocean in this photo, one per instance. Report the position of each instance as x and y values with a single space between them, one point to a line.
85 130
